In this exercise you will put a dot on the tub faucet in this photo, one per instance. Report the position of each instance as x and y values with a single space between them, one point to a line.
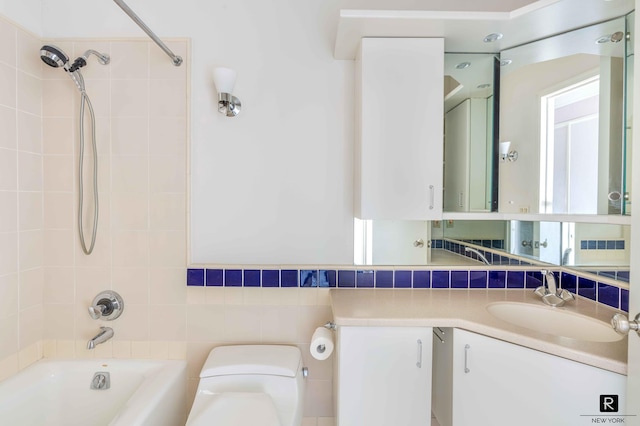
105 334
551 293
480 255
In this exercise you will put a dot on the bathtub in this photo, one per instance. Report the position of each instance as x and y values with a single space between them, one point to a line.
56 392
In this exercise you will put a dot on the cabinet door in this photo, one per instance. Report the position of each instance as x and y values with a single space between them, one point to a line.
399 128
499 383
384 376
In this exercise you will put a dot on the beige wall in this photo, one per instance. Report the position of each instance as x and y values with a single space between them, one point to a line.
47 283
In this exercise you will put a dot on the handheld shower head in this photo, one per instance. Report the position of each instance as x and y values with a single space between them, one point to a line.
54 56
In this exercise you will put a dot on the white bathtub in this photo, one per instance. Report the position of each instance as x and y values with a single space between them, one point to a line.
57 393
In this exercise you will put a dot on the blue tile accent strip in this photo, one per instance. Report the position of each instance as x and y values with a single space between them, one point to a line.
421 279
270 278
478 279
609 295
605 293
384 279
289 277
515 279
252 278
569 282
215 277
587 288
459 279
195 277
364 279
346 278
402 279
602 244
440 279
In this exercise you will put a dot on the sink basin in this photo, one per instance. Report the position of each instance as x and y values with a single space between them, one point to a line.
554 321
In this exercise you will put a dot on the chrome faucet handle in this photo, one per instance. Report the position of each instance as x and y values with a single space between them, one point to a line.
96 311
541 291
565 295
553 300
107 305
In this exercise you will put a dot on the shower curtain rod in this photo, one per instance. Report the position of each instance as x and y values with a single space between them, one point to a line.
177 60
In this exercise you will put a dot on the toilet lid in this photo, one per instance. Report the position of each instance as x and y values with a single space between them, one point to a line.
234 409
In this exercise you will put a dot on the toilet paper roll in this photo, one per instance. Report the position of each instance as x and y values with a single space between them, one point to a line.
321 345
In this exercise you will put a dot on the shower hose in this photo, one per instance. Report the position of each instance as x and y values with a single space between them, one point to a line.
84 100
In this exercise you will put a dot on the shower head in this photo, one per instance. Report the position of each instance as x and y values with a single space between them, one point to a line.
54 56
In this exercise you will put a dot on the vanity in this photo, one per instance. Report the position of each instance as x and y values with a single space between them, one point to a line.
402 354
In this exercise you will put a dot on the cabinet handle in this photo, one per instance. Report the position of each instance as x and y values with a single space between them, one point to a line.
419 363
467 348
432 197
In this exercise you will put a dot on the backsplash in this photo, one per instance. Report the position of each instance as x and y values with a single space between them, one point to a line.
435 278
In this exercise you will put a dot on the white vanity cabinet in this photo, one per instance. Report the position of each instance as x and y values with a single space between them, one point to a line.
399 128
383 376
490 381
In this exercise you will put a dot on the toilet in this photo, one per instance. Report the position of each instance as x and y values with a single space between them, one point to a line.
252 385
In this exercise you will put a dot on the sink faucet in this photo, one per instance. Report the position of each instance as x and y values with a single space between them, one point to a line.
105 334
480 256
550 292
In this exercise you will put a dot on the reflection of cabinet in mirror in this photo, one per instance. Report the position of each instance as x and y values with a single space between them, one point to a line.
398 158
466 155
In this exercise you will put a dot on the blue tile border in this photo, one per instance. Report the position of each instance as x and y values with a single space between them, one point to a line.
195 277
602 244
507 278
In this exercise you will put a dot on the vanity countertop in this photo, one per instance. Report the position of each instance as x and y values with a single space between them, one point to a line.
466 309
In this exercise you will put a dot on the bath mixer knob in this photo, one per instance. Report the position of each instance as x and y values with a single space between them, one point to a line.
96 311
107 305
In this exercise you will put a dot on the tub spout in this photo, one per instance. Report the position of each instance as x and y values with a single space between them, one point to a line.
105 334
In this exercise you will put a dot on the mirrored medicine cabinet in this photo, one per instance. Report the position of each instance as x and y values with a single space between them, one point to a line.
563 103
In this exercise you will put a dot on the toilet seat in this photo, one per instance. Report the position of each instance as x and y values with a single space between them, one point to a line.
234 409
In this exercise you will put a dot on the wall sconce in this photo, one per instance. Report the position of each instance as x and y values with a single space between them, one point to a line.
225 79
505 154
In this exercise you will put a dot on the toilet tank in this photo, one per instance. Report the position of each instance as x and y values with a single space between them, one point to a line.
275 370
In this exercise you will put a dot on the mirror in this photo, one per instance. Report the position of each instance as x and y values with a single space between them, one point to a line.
602 249
470 184
563 110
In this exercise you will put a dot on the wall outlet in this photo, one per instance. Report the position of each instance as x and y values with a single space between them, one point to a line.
524 209
436 224
450 223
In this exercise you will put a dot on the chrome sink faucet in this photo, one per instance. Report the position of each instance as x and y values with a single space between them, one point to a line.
551 293
105 334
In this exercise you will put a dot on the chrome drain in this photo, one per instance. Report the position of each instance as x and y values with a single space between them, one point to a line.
101 380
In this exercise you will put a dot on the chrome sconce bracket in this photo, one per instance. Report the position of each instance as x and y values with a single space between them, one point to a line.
228 104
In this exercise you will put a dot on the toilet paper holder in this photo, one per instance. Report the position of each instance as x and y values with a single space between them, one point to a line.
330 326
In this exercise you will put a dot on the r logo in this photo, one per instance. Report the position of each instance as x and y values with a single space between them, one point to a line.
608 403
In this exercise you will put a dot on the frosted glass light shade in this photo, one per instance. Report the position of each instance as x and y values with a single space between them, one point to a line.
504 148
224 79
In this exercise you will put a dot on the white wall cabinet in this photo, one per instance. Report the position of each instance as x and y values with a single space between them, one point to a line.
494 382
383 376
399 128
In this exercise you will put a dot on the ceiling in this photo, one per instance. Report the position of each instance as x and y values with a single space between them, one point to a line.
464 31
